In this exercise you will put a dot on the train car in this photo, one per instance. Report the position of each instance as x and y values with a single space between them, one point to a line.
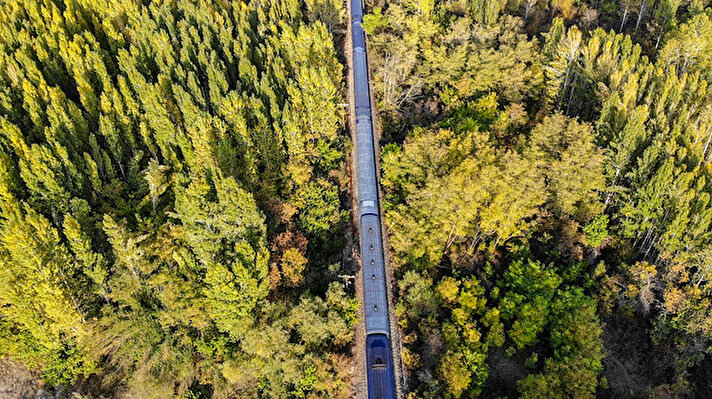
379 359
380 367
374 278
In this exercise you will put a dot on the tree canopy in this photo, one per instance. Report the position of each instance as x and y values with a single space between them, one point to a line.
550 161
154 156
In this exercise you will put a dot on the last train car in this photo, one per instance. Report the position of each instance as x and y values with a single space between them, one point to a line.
380 367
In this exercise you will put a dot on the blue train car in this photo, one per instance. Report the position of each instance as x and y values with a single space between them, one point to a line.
380 367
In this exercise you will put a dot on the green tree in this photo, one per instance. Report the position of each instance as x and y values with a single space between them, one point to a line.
689 48
572 164
227 233
526 304
575 336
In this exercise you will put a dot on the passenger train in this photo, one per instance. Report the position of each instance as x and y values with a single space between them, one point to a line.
379 359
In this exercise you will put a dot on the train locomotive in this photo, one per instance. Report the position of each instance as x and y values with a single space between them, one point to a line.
379 359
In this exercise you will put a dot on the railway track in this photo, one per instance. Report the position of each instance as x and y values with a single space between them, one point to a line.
380 370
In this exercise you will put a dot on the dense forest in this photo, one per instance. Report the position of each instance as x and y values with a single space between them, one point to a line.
547 178
173 197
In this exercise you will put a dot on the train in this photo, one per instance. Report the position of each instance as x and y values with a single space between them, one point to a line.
380 377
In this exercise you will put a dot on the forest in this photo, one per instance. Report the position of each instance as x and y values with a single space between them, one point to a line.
173 198
547 178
